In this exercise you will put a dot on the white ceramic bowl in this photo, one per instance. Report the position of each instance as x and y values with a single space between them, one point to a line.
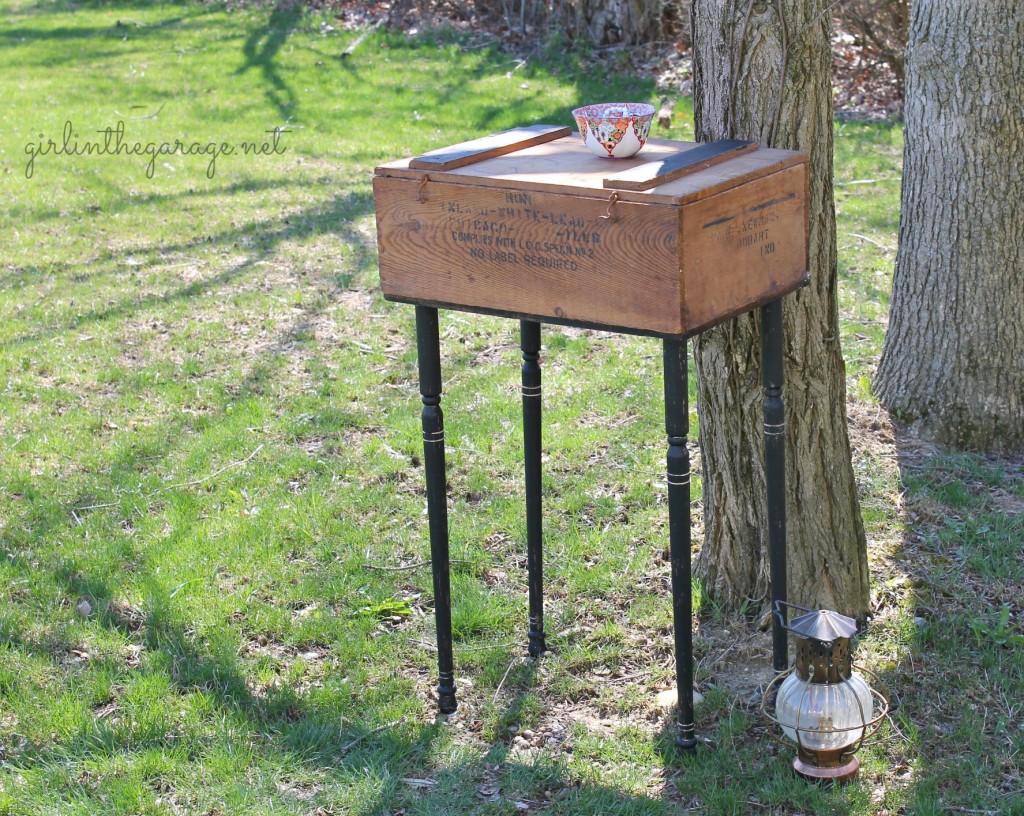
615 130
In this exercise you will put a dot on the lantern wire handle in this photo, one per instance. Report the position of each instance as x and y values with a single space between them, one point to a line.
868 727
781 615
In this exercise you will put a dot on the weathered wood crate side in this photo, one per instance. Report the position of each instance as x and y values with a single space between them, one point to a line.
530 253
543 241
744 246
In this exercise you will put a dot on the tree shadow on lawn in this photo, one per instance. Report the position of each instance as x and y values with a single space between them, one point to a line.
98 573
623 772
119 29
260 239
126 203
456 99
955 737
261 48
351 735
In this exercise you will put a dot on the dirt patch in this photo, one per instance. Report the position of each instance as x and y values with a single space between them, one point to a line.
871 430
1005 502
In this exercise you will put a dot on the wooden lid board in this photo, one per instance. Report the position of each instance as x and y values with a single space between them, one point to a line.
567 166
683 163
500 144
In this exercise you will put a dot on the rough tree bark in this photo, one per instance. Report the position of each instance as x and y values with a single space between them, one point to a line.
611 22
762 72
953 362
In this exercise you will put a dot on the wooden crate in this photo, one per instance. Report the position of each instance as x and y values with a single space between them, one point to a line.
546 232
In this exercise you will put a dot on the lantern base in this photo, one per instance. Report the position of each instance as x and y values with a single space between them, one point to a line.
841 773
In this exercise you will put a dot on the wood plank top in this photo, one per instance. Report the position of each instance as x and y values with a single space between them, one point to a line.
499 144
565 165
691 160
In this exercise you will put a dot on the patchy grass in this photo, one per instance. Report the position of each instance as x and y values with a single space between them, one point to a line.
214 591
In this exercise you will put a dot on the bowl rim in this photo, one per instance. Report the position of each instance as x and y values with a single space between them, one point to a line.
594 111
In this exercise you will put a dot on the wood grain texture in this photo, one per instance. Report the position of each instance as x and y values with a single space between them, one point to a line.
567 166
744 246
488 147
693 160
646 267
528 253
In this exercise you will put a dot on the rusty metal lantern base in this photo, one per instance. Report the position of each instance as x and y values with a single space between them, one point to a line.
833 773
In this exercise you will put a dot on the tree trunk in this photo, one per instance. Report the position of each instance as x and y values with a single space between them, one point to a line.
762 72
953 362
611 22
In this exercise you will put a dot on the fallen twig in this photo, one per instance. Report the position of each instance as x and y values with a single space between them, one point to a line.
193 483
432 647
358 41
93 507
865 181
376 730
869 240
213 475
140 118
624 678
497 691
407 567
899 732
396 569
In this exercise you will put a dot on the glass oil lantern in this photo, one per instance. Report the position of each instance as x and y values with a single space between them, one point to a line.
825 708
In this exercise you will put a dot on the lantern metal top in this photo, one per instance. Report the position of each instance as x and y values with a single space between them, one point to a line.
822 625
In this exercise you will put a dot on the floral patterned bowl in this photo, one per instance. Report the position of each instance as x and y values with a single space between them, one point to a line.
615 130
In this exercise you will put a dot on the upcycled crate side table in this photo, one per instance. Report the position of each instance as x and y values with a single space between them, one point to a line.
529 224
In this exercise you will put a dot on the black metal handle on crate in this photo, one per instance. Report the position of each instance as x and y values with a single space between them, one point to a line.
692 160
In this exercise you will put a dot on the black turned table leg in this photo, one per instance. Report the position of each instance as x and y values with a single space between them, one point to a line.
677 424
429 352
775 467
530 343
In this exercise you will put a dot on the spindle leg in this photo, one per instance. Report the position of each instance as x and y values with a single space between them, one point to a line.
775 467
677 425
530 342
428 348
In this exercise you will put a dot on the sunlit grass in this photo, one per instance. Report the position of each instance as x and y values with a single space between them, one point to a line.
213 580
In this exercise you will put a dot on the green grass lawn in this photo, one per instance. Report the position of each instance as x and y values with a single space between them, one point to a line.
212 591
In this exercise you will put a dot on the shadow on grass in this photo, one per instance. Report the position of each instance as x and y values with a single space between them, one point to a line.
118 31
120 28
125 203
956 731
335 215
282 721
160 625
59 6
350 733
260 51
511 778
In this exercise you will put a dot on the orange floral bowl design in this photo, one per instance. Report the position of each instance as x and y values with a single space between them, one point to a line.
615 130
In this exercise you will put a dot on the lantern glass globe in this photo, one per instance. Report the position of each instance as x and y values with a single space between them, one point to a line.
824 716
